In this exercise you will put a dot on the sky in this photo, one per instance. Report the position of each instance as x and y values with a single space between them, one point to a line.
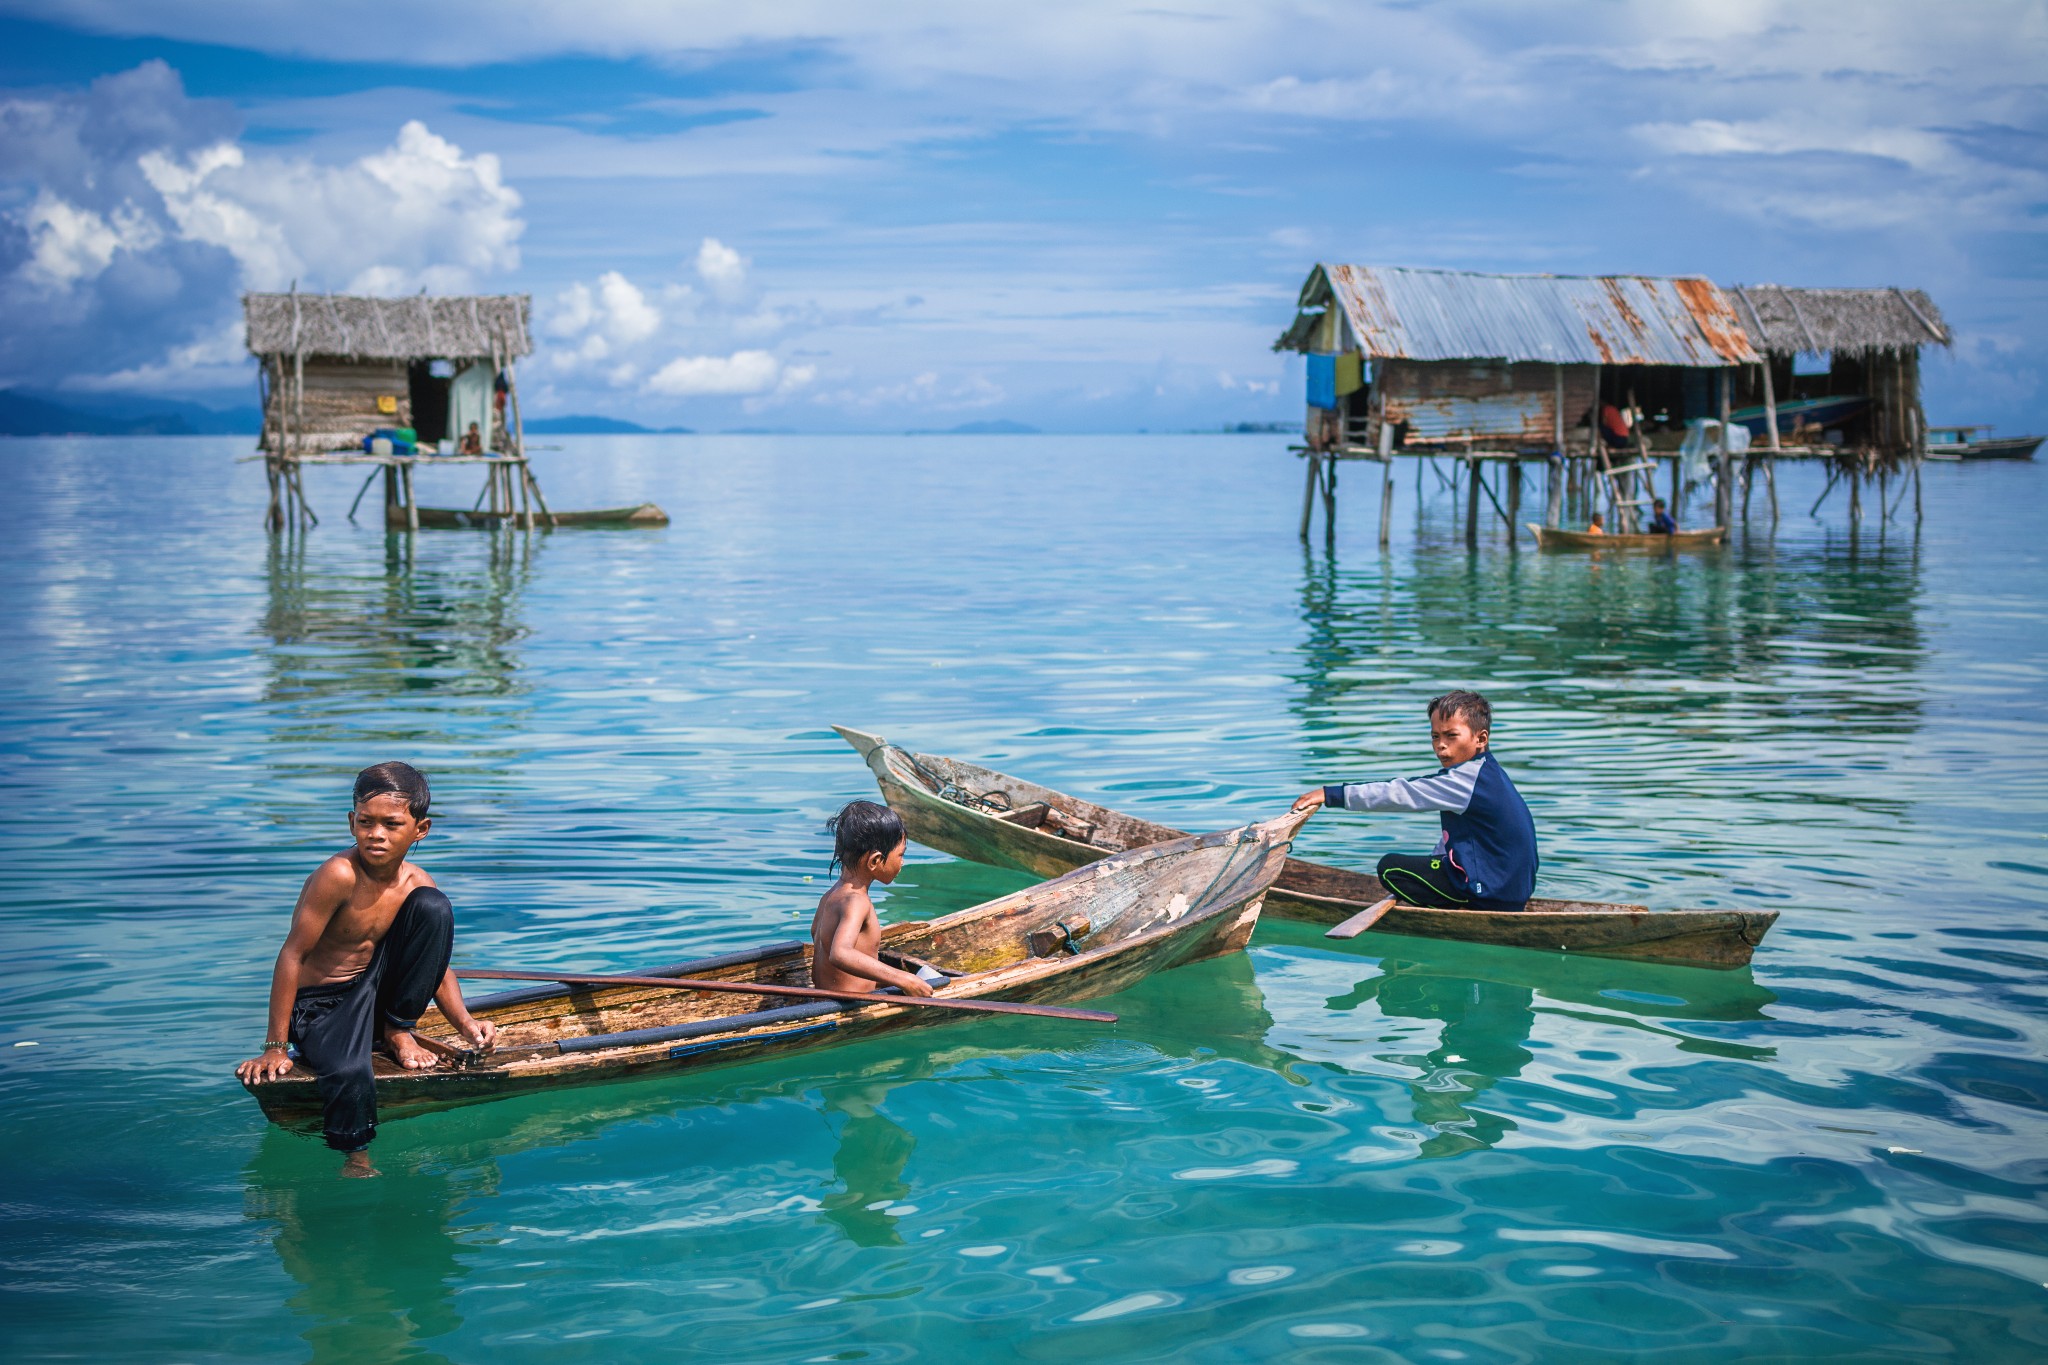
1085 216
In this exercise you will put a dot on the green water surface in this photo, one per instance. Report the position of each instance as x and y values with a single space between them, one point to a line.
1386 1149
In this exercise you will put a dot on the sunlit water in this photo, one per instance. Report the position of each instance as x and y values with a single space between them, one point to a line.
1382 1149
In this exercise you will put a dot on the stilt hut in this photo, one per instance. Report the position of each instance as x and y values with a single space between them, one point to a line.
1839 379
393 383
1506 370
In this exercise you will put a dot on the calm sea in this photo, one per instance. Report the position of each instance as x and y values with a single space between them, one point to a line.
1386 1149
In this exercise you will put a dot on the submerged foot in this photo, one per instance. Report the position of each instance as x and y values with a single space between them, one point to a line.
356 1166
408 1052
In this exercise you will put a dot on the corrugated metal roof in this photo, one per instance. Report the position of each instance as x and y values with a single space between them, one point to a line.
1402 314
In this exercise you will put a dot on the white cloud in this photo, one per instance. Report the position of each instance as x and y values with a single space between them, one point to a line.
68 244
722 269
418 214
701 376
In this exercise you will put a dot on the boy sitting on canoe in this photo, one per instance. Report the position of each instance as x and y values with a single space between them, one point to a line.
1486 857
867 847
368 948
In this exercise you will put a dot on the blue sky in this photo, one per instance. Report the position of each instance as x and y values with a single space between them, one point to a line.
1082 216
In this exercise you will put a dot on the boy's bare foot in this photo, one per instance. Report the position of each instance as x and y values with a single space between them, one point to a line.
356 1166
408 1051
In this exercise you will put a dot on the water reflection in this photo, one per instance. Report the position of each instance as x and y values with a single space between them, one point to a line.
409 623
1483 1005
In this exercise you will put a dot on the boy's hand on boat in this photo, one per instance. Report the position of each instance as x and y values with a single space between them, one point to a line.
913 985
265 1066
1309 800
482 1034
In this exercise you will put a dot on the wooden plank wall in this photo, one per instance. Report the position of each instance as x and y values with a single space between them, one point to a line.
341 402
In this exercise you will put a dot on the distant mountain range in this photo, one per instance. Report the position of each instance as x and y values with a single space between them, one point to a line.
583 424
33 414
1002 426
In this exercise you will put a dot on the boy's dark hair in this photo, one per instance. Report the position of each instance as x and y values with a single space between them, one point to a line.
861 828
395 779
1473 707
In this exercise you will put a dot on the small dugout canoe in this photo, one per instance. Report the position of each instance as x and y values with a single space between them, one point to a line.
1096 930
459 518
1556 538
990 817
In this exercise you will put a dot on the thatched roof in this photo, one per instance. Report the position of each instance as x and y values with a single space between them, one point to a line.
1782 321
414 328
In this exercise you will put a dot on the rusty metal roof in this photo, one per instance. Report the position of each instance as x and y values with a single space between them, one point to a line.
1402 314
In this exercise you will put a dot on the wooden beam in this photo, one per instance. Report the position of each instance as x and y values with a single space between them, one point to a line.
1386 485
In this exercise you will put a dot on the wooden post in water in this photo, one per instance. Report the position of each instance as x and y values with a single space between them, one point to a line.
1386 444
1308 490
1724 495
1330 500
1855 491
1471 501
1514 516
1553 490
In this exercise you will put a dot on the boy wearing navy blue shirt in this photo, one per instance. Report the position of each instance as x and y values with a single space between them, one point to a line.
1486 856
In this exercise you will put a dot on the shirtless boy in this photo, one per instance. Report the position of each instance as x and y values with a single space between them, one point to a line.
867 847
368 947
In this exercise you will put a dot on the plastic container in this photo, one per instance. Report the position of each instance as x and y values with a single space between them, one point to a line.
380 445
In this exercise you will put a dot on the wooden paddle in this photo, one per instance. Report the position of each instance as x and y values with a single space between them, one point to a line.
1362 921
803 992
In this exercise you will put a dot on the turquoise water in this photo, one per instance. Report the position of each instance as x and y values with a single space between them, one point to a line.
1381 1150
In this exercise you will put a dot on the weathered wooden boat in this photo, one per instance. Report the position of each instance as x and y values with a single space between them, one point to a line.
1796 412
1095 930
642 514
1963 443
1555 538
990 817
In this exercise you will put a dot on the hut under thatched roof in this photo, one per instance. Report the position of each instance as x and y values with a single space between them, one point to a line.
340 367
1867 396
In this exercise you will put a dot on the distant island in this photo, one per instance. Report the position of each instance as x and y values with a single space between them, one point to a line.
1001 426
32 414
585 424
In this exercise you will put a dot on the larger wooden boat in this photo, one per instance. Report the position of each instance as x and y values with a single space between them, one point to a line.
989 817
1964 443
1095 930
1556 538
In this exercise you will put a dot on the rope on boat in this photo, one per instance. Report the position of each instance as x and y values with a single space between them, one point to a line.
999 802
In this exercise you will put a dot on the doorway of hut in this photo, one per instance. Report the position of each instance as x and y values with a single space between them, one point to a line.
427 384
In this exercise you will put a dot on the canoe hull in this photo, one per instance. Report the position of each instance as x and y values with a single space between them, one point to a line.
1305 891
1998 448
1556 538
461 518
1205 906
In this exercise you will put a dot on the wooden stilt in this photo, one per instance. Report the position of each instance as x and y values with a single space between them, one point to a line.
412 506
1386 485
273 518
1553 487
1514 512
1834 476
1724 494
1308 490
1471 501
1855 494
539 498
1771 483
1330 501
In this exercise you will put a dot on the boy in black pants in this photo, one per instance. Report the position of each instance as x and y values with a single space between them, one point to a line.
368 948
1486 856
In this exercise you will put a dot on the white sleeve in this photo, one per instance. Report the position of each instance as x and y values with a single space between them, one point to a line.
1450 789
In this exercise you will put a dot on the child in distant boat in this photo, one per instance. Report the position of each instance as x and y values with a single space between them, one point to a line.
1485 858
1662 523
368 948
1594 526
868 844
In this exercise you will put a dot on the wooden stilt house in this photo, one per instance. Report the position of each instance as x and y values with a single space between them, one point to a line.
397 383
1507 370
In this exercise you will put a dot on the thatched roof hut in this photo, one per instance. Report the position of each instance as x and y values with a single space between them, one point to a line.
338 368
1783 321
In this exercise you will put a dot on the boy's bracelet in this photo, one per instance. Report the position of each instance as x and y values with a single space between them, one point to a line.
275 1046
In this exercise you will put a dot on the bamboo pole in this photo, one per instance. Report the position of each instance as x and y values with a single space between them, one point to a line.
1724 499
1472 501
1514 513
1330 500
1553 488
412 505
1834 475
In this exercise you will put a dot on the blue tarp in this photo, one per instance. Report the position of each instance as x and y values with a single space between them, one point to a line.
1322 380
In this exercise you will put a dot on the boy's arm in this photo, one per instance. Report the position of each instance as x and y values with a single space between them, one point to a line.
482 1032
843 951
324 893
1449 790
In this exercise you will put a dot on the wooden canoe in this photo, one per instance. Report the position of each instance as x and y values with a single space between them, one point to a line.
448 518
1555 538
1146 910
1045 832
